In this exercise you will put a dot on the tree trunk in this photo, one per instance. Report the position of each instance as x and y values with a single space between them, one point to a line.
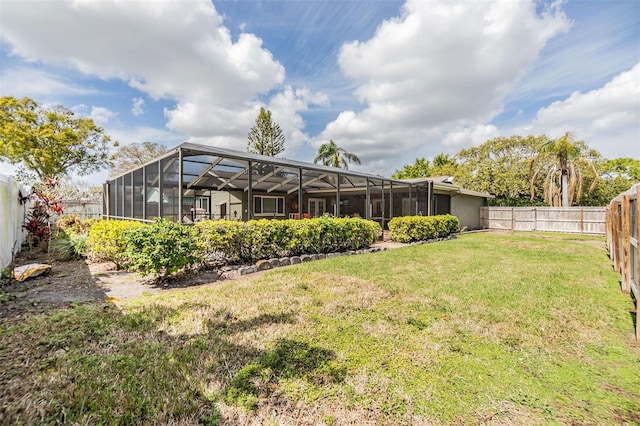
565 190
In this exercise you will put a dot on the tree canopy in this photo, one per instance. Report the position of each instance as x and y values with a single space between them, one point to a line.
442 165
563 162
265 137
420 168
512 167
50 142
499 166
332 155
127 157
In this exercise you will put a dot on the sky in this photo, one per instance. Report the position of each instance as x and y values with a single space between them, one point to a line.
390 81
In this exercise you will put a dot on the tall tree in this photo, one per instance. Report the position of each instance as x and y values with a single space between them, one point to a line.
562 161
442 165
50 143
70 188
332 155
614 177
500 166
420 168
442 160
265 137
127 157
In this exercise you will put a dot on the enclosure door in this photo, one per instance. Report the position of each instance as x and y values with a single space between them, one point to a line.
317 207
376 209
406 206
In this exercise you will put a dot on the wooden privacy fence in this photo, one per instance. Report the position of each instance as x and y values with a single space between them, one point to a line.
85 209
581 220
623 229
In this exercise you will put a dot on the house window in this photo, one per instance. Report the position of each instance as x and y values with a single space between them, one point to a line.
268 206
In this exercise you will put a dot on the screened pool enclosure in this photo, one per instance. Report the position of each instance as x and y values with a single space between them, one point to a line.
196 182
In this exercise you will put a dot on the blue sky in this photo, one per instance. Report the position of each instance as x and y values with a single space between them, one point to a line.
388 80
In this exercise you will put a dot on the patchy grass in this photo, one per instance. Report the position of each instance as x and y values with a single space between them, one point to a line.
488 328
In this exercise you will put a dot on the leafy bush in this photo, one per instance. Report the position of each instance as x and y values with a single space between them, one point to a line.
73 234
69 221
162 248
407 229
106 240
242 242
222 241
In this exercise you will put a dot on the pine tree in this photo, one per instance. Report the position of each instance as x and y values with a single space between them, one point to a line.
265 137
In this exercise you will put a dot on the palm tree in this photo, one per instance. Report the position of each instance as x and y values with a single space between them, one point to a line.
332 155
562 160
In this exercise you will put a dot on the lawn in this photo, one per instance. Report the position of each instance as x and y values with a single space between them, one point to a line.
487 328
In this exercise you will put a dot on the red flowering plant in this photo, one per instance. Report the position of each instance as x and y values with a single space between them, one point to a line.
46 203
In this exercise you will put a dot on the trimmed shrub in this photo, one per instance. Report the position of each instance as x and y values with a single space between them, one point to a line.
162 248
106 240
244 242
221 241
408 229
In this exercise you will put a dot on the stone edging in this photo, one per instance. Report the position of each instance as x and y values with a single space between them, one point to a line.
266 264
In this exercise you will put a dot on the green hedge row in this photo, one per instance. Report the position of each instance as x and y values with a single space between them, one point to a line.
165 247
408 229
244 242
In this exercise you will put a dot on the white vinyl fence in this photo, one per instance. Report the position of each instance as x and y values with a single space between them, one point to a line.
580 220
12 215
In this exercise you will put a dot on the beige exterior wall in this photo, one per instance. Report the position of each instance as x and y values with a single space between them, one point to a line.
467 209
231 200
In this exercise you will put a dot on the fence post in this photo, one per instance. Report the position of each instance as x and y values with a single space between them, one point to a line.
535 218
637 272
607 229
513 219
615 219
626 244
581 220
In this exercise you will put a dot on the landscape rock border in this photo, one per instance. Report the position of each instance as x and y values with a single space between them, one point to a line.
267 264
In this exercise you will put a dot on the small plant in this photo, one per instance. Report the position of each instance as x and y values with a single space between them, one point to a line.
46 204
70 221
70 246
6 275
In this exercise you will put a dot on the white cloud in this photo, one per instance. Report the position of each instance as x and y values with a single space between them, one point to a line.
139 134
44 86
137 107
470 136
607 118
101 115
284 108
432 78
178 50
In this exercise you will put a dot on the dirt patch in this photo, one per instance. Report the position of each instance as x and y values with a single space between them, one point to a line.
72 282
78 281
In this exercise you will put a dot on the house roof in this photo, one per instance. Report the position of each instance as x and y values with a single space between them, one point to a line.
209 167
445 183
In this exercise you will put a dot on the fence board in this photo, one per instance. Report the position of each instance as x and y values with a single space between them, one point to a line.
85 209
623 234
583 220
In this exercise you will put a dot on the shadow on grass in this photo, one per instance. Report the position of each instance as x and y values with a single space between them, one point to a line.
96 363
